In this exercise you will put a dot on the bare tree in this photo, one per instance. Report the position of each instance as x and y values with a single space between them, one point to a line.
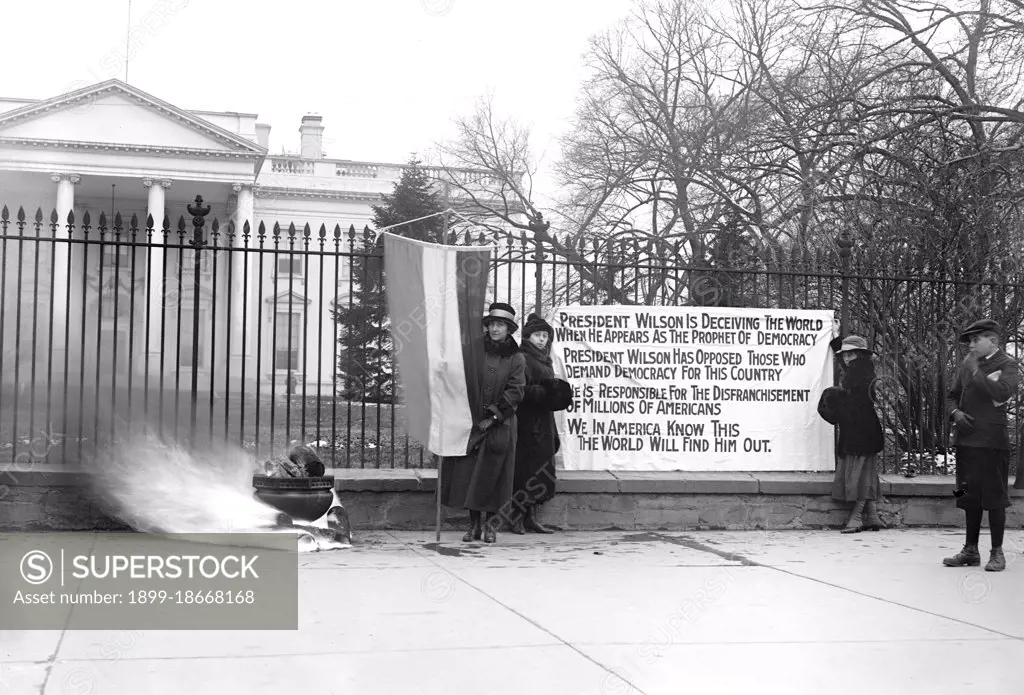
488 170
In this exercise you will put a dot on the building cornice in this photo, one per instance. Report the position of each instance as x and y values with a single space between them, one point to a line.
222 113
91 93
130 148
314 194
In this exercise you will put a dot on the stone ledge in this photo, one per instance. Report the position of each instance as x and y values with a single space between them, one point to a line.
794 483
376 480
570 482
58 498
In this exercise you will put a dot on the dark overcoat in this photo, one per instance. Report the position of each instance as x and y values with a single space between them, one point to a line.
538 437
860 432
985 399
482 480
983 449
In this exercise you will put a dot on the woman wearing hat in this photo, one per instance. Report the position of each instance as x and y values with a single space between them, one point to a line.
860 435
482 481
538 438
985 383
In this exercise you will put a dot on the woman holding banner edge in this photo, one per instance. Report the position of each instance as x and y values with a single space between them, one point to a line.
860 435
481 481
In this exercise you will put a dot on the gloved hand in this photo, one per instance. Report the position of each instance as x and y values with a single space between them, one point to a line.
963 421
485 424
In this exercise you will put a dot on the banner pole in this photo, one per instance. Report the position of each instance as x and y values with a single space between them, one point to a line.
440 464
440 459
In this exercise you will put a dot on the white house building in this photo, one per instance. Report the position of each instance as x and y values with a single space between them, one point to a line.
113 148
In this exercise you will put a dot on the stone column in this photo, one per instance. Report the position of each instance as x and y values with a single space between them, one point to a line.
62 270
241 343
157 293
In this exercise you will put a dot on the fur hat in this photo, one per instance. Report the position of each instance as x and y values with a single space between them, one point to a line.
502 312
982 326
535 324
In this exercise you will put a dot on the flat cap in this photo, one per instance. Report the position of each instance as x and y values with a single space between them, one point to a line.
982 326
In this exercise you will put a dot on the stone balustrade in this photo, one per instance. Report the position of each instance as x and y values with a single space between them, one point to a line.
292 165
357 170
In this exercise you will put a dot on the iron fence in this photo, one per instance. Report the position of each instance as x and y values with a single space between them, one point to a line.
267 338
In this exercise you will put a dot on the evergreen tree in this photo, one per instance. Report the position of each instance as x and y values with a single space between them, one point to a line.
365 364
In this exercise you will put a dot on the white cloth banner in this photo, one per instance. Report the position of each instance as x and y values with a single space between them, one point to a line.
694 388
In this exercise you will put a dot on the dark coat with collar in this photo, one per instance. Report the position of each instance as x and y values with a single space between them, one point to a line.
984 396
538 437
982 448
482 480
860 432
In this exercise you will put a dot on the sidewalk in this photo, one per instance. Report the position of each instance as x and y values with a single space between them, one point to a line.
589 614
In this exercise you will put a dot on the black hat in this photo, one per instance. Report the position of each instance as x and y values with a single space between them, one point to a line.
982 326
502 312
535 324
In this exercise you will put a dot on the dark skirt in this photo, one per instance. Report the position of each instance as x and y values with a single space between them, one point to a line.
856 478
983 475
534 484
482 480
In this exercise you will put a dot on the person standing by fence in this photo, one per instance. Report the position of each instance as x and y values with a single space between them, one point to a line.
860 436
481 481
538 442
985 383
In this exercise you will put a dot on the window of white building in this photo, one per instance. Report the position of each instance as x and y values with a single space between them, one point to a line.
290 267
185 339
286 351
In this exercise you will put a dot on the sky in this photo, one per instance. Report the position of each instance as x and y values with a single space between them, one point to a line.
387 76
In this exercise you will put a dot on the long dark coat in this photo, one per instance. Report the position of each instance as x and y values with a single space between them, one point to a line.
860 433
538 437
982 455
482 480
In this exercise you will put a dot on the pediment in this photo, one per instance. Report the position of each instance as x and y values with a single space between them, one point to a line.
283 299
116 114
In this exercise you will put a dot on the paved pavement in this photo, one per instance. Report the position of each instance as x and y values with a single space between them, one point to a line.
589 614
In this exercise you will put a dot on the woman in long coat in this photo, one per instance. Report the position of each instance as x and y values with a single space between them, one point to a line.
538 441
482 481
860 436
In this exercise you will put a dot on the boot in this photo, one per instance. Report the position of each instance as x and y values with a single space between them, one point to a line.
968 557
996 561
853 524
531 524
490 532
473 534
870 520
517 525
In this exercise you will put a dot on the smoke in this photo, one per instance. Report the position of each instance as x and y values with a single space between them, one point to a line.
145 478
157 486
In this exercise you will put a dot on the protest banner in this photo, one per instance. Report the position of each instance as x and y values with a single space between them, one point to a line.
694 388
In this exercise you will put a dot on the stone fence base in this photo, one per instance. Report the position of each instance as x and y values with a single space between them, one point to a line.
54 498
